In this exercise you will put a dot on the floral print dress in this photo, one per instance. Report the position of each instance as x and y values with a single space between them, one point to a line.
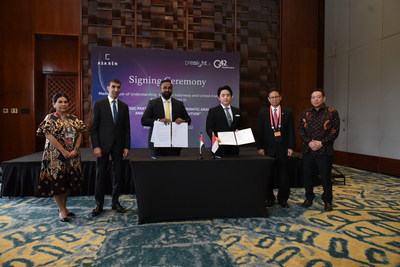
59 175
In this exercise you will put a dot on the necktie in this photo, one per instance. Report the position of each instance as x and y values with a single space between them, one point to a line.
167 111
228 116
275 118
115 112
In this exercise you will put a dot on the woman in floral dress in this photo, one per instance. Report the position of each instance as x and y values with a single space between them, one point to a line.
60 172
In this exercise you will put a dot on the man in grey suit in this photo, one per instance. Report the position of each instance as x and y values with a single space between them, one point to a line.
275 132
165 109
224 118
110 135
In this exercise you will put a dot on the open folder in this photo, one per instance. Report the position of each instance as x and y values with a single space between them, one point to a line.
170 135
237 138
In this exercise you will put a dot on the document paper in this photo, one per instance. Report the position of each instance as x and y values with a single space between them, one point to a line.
237 138
170 135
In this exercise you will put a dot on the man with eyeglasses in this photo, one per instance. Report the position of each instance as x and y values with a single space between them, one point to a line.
275 131
165 109
318 127
110 136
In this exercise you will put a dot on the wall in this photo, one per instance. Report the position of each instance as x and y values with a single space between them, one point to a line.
362 66
279 43
18 34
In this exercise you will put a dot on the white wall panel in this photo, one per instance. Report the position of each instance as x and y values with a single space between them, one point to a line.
391 17
390 98
365 22
364 107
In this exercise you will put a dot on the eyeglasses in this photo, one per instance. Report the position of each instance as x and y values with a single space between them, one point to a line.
116 86
274 97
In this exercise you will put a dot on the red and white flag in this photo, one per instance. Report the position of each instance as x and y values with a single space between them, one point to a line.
214 143
201 141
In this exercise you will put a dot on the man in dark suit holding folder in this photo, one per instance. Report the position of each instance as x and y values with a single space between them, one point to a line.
224 118
165 109
275 130
110 135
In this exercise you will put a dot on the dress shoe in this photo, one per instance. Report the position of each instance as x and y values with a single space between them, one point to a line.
270 203
66 219
97 210
284 204
328 206
307 203
118 208
70 214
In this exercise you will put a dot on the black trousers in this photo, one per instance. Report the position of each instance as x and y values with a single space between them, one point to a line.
318 165
102 167
281 176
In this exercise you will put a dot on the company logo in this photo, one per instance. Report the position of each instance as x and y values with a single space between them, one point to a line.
222 64
197 63
106 61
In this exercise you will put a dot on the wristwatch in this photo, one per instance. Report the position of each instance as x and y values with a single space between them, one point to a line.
76 148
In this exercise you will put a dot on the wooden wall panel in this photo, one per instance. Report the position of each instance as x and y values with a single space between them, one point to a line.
17 52
251 28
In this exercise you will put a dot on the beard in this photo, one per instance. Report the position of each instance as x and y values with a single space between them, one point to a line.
166 95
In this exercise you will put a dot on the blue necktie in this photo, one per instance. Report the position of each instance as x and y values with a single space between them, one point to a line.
115 112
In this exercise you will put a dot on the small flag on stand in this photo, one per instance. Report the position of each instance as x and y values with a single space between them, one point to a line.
201 142
214 143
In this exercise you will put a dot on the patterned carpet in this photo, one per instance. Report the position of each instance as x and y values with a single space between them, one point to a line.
362 230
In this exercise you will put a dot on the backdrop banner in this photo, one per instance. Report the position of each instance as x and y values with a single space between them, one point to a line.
195 76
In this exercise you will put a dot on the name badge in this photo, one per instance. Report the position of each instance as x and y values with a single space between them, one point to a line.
277 133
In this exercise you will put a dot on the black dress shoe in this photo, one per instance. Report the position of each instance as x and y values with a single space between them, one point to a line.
328 206
71 214
66 219
307 203
270 203
284 204
118 208
97 210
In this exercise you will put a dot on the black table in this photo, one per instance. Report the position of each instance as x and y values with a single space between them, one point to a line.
173 188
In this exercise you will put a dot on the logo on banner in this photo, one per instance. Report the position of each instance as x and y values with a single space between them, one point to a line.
106 61
197 63
222 64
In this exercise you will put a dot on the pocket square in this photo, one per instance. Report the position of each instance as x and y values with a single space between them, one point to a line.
237 115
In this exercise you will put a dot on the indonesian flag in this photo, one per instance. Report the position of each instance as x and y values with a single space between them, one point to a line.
214 143
201 141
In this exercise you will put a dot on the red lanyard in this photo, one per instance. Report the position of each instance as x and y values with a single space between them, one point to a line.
271 119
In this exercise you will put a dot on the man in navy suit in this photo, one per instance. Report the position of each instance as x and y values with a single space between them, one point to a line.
224 118
275 132
110 135
165 109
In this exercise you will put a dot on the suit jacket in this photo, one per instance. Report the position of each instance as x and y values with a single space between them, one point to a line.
217 122
155 111
265 134
104 133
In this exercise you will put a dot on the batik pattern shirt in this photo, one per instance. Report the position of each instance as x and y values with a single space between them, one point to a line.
320 125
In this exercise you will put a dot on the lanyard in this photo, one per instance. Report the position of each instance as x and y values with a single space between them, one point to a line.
271 119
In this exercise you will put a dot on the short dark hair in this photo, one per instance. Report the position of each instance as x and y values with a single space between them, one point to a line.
113 81
225 87
318 90
273 89
165 81
56 96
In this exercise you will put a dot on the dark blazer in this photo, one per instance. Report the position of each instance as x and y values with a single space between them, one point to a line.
265 134
217 122
155 111
103 132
